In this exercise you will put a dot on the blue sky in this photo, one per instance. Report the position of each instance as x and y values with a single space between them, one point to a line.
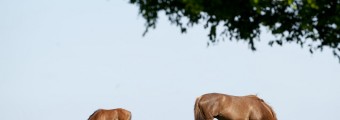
64 59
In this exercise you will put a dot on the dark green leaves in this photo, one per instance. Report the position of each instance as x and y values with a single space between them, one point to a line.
312 22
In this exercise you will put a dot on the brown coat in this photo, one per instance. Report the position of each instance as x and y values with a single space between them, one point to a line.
114 114
228 107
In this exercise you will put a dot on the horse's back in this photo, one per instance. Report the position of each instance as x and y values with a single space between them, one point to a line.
223 106
114 114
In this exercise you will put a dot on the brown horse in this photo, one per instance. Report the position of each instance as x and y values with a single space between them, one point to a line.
114 114
227 107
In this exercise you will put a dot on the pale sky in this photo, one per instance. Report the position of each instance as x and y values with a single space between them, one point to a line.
62 60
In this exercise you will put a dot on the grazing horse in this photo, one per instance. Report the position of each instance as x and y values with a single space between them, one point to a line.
114 114
228 107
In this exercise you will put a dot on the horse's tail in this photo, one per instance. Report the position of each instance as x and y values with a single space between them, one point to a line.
197 110
93 114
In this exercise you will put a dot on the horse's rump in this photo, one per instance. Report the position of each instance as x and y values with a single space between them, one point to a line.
197 110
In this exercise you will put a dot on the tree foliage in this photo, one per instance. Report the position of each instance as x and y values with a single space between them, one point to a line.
312 23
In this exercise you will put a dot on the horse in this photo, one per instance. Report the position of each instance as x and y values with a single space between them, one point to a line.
113 114
229 107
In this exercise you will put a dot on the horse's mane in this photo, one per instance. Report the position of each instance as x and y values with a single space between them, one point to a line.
269 108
